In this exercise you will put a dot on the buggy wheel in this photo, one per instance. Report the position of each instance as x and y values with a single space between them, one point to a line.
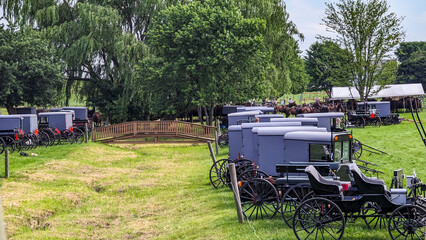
44 139
2 145
318 218
359 122
291 200
377 122
241 165
259 199
252 173
78 136
215 173
9 144
26 143
67 136
372 216
407 222
356 148
223 140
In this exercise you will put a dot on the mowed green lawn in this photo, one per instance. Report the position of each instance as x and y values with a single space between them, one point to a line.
96 191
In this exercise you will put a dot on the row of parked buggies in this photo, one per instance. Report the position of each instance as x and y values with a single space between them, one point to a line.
27 130
305 172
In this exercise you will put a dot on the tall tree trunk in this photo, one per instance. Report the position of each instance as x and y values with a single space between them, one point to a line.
200 115
211 114
207 115
10 109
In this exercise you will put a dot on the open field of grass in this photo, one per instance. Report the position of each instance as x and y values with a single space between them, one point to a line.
96 191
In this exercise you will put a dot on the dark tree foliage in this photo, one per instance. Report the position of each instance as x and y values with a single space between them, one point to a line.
413 69
406 49
328 66
29 71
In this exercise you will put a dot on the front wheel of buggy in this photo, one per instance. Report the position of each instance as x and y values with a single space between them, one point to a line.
318 218
407 222
291 200
215 173
259 199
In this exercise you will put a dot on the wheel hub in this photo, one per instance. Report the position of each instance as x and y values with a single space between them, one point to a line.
410 226
258 200
318 224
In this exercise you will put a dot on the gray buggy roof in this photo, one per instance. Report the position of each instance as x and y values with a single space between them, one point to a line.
234 128
322 115
298 119
309 136
277 131
249 113
270 116
269 124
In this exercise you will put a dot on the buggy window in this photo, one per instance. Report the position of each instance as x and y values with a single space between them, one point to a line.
317 153
341 151
43 120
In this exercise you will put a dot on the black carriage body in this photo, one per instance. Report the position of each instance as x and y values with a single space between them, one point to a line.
59 120
26 110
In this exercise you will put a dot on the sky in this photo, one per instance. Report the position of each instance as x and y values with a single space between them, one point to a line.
307 15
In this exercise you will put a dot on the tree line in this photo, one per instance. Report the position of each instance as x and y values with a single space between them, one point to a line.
147 59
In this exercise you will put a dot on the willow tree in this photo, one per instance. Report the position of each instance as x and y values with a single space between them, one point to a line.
99 54
286 69
370 33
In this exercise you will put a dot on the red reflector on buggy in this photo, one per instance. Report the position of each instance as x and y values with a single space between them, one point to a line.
57 131
36 132
16 136
372 115
71 129
22 132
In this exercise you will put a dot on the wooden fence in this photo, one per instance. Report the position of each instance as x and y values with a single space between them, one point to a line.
135 128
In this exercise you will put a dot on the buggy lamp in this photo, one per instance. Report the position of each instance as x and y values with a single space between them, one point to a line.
336 138
240 183
350 136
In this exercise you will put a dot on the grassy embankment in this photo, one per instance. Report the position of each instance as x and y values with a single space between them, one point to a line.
95 191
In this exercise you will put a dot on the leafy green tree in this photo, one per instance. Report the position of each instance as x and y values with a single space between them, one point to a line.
287 72
369 32
406 49
29 71
207 54
328 66
413 69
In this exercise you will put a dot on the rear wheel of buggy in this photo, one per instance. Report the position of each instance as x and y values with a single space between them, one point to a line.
9 144
407 222
2 145
291 200
241 165
360 122
26 142
356 148
250 174
43 139
215 173
223 140
377 122
259 199
372 216
78 136
318 218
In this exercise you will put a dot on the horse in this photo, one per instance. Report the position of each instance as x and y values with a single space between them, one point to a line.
96 119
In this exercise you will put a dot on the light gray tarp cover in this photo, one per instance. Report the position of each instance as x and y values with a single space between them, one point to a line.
397 90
